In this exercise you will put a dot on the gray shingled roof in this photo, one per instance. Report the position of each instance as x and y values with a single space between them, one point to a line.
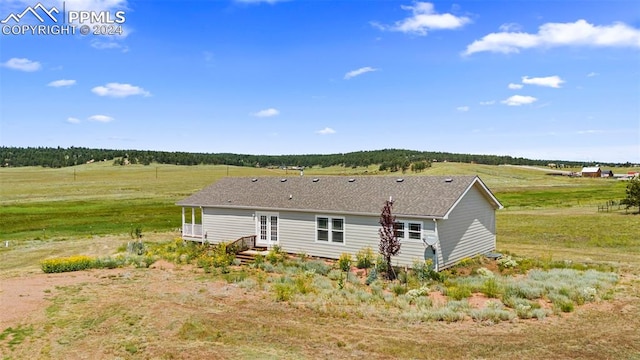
425 196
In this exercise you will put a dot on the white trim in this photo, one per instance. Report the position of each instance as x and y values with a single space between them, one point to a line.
269 241
330 230
475 181
406 230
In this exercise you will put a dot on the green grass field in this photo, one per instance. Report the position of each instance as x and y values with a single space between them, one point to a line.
140 313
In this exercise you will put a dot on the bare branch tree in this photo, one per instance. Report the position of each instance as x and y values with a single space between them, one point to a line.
389 243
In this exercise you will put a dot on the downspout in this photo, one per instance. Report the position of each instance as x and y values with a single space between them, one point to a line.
436 246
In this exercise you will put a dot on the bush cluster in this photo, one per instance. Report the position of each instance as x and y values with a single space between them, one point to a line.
67 264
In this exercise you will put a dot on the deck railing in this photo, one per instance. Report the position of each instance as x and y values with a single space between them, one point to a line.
192 230
242 244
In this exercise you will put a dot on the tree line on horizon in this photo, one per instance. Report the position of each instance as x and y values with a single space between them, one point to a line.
388 159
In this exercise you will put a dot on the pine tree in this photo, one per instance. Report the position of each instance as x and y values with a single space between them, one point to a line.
633 194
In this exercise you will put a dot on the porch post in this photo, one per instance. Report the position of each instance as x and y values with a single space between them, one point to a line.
182 229
193 220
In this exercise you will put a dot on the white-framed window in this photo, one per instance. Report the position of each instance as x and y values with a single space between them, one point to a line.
330 229
408 230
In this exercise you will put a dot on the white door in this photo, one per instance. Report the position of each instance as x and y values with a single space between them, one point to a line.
267 229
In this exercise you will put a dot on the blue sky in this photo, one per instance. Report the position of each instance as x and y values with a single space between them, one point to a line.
539 79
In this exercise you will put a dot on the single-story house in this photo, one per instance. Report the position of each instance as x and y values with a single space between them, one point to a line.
592 171
442 218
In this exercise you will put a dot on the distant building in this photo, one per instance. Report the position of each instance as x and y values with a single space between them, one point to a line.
593 171
607 173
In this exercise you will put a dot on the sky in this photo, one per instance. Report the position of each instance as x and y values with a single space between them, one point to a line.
535 79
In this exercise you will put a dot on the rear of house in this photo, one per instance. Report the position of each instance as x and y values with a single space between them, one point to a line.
444 219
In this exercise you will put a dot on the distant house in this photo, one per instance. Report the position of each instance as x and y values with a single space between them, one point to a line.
593 171
445 219
606 173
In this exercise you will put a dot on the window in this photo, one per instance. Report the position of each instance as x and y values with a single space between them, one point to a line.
408 230
330 229
415 231
399 227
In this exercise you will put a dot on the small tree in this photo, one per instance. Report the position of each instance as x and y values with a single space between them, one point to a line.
389 243
633 194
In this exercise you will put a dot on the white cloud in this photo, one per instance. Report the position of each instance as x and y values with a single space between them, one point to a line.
266 113
61 83
118 90
22 64
490 102
462 108
513 86
101 118
357 72
549 81
579 33
588 132
592 74
326 131
94 5
106 45
510 27
424 19
517 100
73 120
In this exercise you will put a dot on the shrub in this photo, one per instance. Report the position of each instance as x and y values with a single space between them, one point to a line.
445 314
304 283
423 270
258 260
109 263
235 277
398 289
373 276
506 262
561 303
458 292
491 314
381 265
344 262
491 288
275 255
484 272
318 266
72 263
364 258
284 289
136 248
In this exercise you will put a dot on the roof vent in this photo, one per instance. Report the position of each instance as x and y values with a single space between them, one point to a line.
352 180
254 180
290 196
448 180
399 180
283 180
315 180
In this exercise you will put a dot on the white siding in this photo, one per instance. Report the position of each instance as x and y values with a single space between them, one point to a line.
227 224
469 230
297 235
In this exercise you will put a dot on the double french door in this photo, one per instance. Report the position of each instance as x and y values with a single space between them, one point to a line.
267 229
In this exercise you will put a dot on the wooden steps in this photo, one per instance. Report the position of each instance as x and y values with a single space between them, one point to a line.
249 256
